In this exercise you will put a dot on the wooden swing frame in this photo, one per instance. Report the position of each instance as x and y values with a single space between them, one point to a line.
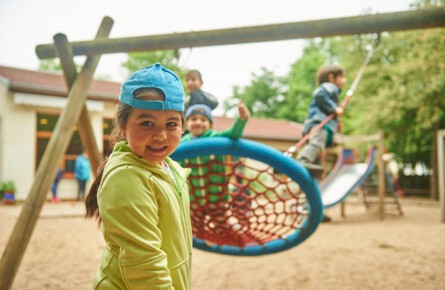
75 111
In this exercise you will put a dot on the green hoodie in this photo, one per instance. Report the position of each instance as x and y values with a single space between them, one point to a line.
145 223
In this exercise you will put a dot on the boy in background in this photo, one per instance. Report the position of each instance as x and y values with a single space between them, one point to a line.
213 209
193 84
325 101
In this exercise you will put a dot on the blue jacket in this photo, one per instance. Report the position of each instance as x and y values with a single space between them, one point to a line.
82 168
324 101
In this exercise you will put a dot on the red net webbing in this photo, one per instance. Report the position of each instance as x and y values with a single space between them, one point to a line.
242 202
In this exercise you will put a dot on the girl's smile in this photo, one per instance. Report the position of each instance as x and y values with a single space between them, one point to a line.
153 135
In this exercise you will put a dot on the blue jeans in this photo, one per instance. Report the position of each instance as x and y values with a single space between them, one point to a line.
81 190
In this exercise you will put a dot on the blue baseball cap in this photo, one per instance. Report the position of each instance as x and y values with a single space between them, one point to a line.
154 76
200 109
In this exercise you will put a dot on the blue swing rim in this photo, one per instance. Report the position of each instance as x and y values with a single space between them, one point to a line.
276 159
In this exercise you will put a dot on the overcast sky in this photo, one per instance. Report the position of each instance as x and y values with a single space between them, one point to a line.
27 23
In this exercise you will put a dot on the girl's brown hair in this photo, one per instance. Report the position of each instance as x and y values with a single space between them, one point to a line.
324 72
120 119
123 111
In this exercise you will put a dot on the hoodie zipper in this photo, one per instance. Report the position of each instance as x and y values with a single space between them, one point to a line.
174 185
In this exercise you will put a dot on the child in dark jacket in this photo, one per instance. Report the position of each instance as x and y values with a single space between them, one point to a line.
325 101
193 83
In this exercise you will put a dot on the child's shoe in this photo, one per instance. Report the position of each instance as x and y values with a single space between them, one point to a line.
326 219
314 169
55 200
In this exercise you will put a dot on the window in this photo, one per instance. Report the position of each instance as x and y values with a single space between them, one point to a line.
45 127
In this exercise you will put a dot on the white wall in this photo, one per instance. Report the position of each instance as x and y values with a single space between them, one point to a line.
3 91
18 145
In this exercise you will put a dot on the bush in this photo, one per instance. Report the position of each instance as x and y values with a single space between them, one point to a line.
8 186
7 190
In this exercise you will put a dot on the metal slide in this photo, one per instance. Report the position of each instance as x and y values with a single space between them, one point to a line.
345 177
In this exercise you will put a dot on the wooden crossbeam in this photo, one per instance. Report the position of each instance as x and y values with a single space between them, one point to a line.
46 171
375 23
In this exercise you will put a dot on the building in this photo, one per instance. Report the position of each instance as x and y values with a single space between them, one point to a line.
31 101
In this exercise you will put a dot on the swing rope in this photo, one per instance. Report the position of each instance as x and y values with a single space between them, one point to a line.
343 104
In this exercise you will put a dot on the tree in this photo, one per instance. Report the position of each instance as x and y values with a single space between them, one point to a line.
301 80
168 58
401 91
264 96
278 97
407 88
54 65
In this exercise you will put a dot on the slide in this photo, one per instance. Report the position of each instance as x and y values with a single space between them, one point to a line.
345 177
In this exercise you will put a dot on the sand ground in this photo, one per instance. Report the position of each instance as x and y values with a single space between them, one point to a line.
357 252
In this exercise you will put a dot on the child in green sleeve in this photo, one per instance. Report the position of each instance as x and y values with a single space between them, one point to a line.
199 122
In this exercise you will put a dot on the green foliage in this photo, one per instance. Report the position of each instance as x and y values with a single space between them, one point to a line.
428 3
406 87
7 186
401 91
168 58
53 65
264 96
301 81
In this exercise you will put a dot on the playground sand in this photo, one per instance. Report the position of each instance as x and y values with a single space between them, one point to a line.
357 252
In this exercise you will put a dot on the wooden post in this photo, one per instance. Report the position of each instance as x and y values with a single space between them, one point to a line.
441 172
46 171
85 128
381 175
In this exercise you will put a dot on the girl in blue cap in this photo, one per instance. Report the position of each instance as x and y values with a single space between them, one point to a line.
140 196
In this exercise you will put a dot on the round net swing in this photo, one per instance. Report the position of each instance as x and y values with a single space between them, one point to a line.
247 198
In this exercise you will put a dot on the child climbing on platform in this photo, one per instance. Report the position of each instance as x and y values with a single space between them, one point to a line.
325 101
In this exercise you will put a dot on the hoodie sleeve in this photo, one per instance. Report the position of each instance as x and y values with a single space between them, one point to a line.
129 212
235 131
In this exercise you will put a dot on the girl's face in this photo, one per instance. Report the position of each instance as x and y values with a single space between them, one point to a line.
153 135
197 124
